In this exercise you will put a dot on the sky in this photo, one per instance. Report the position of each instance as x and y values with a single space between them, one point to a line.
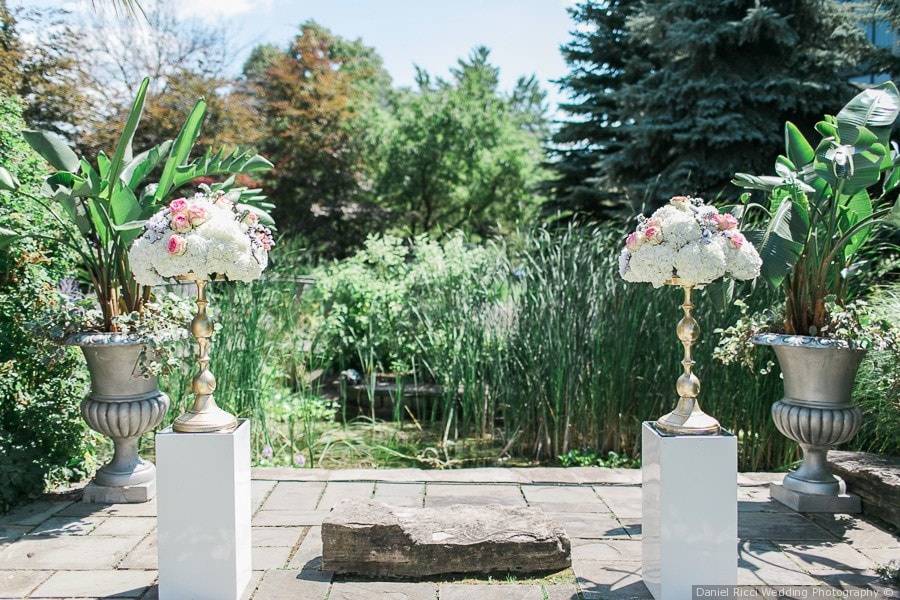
524 35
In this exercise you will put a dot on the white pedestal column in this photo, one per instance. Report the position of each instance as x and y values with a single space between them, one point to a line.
689 526
203 493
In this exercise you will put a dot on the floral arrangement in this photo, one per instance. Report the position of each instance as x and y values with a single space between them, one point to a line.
688 240
208 236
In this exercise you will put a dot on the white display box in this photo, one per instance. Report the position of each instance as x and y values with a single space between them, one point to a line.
203 496
689 526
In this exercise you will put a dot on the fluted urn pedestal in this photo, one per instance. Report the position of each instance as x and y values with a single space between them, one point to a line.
122 405
818 413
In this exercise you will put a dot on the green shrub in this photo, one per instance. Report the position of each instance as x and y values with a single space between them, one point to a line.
42 436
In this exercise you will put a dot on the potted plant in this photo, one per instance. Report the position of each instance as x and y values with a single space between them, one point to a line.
102 207
820 210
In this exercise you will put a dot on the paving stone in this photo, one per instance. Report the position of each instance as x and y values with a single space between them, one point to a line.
337 492
288 518
34 512
142 556
259 490
881 556
865 580
309 554
289 474
827 558
292 585
405 475
294 495
561 592
760 479
91 584
606 550
400 494
437 495
359 590
143 509
375 540
617 581
66 553
590 525
126 526
780 526
264 558
10 533
857 531
604 476
875 478
60 526
486 475
275 536
17 584
764 563
546 474
560 494
255 578
502 591
623 501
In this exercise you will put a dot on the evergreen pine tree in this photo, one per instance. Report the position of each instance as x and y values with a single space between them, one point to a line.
599 58
726 76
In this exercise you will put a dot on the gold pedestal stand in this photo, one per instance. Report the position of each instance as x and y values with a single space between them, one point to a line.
204 416
687 418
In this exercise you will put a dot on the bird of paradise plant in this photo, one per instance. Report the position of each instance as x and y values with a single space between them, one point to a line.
823 205
101 206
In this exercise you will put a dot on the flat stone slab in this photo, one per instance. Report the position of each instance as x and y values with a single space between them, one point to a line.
369 538
875 478
842 504
129 494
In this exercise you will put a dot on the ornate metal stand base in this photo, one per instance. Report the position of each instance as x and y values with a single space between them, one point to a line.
213 419
688 418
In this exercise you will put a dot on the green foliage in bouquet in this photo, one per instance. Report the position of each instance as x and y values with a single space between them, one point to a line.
102 207
823 204
42 437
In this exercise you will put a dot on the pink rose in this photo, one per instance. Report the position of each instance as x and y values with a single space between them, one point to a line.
737 239
653 234
652 222
180 222
223 202
251 218
197 214
725 221
178 205
176 245
634 239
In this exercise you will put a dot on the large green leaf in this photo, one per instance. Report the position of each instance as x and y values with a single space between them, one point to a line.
124 205
767 183
123 146
140 166
854 210
8 181
219 163
180 150
52 148
796 147
876 108
777 245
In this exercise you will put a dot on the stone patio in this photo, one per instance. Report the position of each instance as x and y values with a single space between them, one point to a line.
59 547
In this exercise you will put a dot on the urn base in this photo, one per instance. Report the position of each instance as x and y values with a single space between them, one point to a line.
127 494
209 420
841 503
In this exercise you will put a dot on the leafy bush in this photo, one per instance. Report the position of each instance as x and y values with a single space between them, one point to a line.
366 305
42 436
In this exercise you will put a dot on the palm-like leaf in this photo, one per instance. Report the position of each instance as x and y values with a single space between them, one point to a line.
876 108
780 243
220 163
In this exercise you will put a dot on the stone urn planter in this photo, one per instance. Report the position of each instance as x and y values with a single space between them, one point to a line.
123 404
818 413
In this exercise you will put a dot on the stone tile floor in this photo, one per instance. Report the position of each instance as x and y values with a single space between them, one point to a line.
59 547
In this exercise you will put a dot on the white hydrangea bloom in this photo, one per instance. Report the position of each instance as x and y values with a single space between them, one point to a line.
701 263
651 264
743 262
679 227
